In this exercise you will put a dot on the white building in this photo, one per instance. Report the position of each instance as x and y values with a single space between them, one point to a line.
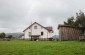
38 32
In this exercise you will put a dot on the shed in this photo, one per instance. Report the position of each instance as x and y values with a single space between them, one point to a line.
67 32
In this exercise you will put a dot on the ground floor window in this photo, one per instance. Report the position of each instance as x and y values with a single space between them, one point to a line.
41 33
29 33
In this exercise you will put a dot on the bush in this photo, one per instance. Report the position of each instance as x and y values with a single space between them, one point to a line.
50 39
9 36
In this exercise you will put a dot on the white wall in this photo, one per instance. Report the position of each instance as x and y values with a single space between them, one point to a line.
37 31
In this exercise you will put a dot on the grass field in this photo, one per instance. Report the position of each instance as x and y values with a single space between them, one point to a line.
20 47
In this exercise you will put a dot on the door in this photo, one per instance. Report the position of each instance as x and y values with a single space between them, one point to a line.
35 38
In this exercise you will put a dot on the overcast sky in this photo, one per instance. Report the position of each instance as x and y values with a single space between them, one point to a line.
16 15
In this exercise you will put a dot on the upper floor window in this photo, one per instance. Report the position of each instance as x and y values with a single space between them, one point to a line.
35 27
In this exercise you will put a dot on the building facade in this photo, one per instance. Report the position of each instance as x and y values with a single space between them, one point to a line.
37 32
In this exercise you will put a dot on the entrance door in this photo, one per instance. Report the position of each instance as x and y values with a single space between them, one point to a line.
35 38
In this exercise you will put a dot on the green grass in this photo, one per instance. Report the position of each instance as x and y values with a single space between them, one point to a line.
21 47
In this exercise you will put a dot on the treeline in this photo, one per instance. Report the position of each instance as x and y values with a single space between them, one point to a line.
78 22
3 36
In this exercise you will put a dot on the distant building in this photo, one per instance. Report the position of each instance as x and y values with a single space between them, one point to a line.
67 32
38 32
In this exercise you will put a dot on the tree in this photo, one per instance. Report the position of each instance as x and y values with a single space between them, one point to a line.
2 35
70 21
79 21
9 36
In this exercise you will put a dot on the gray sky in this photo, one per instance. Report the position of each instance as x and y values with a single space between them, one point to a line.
16 15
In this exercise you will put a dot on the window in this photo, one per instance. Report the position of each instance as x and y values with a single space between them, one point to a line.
29 33
35 27
41 33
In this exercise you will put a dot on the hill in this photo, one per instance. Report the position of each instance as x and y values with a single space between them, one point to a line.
15 35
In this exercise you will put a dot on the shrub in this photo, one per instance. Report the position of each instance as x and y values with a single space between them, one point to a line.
9 36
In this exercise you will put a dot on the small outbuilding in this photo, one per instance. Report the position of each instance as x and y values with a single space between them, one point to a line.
67 32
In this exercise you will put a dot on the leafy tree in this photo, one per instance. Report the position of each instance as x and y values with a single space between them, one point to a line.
70 21
79 21
2 35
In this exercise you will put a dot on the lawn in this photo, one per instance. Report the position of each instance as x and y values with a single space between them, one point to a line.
21 47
